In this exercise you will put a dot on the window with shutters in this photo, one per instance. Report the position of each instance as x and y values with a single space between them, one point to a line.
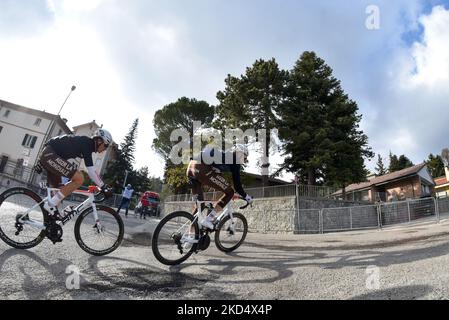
29 141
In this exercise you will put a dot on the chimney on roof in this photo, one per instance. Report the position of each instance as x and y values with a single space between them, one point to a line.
65 120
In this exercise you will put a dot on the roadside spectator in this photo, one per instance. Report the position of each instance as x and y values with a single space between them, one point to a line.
126 199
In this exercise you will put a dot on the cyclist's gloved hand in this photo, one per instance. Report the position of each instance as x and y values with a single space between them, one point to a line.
249 199
107 191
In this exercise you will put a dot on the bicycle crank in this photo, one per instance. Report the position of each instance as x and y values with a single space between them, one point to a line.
204 242
54 232
19 228
176 237
19 224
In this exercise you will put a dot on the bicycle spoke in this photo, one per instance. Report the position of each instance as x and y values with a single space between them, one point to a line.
231 233
22 204
99 238
174 238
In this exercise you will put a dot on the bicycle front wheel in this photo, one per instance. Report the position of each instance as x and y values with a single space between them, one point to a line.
231 233
22 202
175 238
99 237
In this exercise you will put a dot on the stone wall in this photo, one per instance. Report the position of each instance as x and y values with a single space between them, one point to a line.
265 215
277 215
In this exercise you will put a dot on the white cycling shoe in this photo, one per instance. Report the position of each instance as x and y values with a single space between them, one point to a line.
208 223
53 211
189 240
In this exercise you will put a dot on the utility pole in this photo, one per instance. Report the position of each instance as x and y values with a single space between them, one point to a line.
126 177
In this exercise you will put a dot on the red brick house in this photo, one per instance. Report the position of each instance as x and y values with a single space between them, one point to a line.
409 183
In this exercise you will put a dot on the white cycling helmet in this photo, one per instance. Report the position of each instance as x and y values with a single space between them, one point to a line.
104 135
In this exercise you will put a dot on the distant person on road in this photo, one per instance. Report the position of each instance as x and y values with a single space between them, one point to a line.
126 199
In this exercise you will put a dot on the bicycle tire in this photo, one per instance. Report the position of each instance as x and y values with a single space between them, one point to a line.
35 199
86 247
219 229
156 233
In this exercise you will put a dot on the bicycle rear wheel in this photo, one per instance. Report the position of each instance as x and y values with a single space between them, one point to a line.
13 203
173 238
230 234
99 237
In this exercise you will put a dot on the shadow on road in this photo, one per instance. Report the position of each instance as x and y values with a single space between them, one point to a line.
36 284
397 293
118 278
284 261
144 279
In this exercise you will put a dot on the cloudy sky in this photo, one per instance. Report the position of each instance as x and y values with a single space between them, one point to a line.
130 58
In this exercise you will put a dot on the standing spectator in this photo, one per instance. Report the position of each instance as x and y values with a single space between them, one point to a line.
126 199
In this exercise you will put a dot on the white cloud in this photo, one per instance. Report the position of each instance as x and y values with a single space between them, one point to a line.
73 6
128 60
41 70
412 107
431 56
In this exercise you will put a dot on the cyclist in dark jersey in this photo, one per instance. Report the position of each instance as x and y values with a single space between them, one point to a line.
203 170
54 159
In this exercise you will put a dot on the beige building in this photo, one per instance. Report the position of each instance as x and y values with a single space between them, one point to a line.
442 185
23 131
100 160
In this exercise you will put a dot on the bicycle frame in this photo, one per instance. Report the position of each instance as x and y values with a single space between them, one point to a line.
89 202
227 211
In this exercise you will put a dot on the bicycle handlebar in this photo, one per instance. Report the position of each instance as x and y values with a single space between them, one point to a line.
100 196
246 205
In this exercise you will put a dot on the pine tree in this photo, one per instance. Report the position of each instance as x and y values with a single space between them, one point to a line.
380 167
399 163
249 101
122 166
319 126
435 165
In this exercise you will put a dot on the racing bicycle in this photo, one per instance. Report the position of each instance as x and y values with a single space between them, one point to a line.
179 234
24 222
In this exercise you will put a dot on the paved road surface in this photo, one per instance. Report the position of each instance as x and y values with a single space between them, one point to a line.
412 262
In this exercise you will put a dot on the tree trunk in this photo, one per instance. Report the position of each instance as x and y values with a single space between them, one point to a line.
310 177
266 156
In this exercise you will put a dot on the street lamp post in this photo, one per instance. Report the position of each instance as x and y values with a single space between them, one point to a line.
126 177
71 90
48 133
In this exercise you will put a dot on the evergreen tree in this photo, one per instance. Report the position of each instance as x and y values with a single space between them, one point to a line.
399 163
380 167
319 126
394 163
117 170
435 165
249 101
144 182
